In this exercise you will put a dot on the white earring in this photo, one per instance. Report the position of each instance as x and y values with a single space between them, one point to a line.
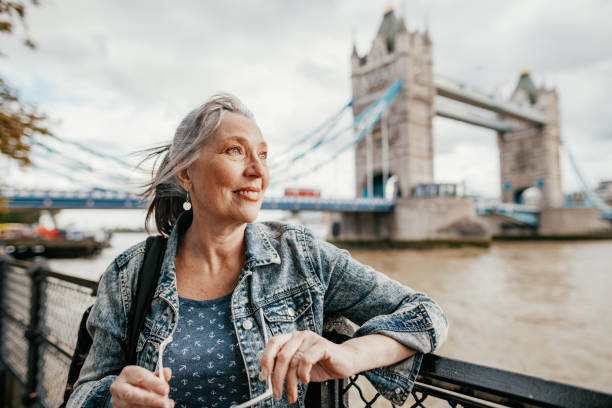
187 204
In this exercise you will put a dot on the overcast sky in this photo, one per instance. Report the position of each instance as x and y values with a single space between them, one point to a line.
119 75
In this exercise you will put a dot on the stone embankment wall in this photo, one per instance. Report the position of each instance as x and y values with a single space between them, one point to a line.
415 220
572 221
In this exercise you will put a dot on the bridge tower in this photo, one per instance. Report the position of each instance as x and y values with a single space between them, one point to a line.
529 154
407 125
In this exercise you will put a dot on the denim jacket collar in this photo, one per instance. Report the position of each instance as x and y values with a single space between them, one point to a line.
259 251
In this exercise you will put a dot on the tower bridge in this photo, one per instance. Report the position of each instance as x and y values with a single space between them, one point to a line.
395 99
527 125
401 145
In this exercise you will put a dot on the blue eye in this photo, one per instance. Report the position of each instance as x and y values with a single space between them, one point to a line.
234 150
263 155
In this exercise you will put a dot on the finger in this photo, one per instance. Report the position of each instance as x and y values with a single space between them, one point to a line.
125 394
167 374
143 378
311 356
269 355
292 378
170 402
281 363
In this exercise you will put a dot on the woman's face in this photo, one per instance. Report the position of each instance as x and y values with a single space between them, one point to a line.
228 180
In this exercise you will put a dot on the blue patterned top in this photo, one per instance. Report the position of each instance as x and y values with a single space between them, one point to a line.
207 367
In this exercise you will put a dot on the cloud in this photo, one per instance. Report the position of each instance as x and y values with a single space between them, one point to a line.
121 75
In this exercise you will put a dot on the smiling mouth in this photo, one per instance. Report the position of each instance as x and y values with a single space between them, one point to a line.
249 195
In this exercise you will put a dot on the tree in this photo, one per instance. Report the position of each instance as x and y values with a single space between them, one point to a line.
18 120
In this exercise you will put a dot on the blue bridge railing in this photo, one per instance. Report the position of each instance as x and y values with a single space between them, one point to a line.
104 199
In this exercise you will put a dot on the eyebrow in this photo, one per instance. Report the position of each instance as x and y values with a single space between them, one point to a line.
245 140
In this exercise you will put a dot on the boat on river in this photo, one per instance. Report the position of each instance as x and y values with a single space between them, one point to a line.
23 241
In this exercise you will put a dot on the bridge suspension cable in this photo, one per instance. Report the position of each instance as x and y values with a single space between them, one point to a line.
324 128
362 124
100 171
592 195
76 166
319 142
106 156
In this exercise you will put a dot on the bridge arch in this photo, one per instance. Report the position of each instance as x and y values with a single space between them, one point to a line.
530 195
381 189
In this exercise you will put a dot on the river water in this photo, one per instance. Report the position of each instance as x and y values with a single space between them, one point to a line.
539 308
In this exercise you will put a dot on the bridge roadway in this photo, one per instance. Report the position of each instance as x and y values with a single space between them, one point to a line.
460 92
102 199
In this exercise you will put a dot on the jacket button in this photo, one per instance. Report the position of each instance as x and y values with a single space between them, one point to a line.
291 312
398 390
247 325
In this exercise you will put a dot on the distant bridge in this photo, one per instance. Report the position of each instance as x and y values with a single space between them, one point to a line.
106 199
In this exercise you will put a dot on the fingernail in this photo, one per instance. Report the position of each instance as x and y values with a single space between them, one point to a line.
263 374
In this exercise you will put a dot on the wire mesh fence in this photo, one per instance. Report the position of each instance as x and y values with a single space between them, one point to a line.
15 348
17 294
52 374
64 303
41 312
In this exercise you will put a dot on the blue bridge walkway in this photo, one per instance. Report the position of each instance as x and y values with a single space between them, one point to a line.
106 199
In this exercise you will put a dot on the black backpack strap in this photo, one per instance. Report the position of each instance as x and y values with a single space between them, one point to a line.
148 276
79 355
145 289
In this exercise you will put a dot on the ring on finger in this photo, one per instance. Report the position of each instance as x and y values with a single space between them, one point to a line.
295 360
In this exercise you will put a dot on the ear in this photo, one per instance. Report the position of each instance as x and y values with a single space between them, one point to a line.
184 179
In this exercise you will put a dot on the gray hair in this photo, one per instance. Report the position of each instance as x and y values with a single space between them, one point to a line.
164 194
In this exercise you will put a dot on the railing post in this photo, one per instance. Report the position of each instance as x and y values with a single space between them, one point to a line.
3 267
330 393
36 272
3 397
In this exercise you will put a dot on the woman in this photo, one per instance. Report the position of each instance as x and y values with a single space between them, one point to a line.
228 283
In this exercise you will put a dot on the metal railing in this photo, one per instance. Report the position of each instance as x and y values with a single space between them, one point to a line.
39 322
41 312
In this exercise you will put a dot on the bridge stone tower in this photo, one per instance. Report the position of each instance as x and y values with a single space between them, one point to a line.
396 53
529 154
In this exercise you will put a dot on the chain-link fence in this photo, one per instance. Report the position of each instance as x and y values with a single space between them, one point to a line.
41 312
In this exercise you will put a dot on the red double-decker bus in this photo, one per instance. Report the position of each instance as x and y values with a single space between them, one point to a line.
302 192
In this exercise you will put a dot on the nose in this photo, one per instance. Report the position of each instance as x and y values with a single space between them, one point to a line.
256 167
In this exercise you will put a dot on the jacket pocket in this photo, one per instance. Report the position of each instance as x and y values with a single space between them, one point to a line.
290 313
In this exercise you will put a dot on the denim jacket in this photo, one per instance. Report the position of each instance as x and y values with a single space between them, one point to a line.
295 278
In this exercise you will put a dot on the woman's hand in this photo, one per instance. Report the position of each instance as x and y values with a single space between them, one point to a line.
136 387
309 357
304 355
